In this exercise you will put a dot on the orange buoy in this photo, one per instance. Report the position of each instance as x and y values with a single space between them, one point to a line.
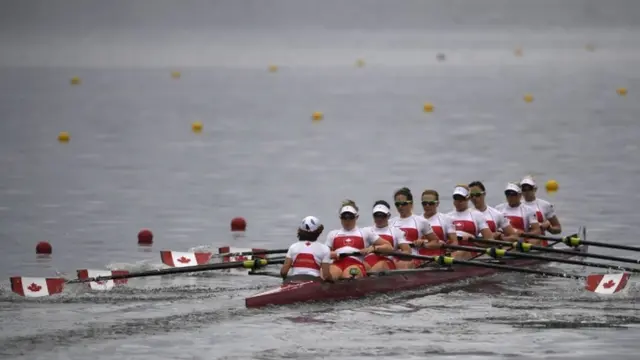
43 248
145 237
238 224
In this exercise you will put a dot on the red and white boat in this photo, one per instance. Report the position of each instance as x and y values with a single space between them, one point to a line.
389 281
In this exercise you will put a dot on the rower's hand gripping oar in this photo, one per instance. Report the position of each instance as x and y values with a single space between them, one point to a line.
574 240
37 287
598 283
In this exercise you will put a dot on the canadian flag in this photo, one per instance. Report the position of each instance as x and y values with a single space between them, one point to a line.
607 283
104 285
36 287
182 259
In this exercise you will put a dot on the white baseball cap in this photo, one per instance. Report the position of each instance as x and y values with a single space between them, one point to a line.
513 187
310 224
459 190
527 180
348 209
381 208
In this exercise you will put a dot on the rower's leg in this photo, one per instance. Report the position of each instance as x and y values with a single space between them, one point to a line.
336 271
405 264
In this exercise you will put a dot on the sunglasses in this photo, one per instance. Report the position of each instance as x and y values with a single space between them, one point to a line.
347 216
459 197
403 203
527 188
510 193
380 215
425 203
476 194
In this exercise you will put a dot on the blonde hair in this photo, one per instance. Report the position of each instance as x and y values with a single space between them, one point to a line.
348 202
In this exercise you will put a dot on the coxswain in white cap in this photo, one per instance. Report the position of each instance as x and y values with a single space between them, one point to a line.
307 259
545 211
498 223
416 228
351 239
468 222
393 236
521 217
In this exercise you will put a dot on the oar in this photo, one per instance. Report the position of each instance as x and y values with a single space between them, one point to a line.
598 283
499 253
526 247
574 240
38 287
257 252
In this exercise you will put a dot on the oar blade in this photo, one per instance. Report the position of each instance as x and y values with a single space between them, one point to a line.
184 259
104 285
36 287
607 284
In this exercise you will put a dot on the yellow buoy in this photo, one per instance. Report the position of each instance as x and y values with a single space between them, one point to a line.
64 136
196 126
75 80
622 91
273 68
552 186
528 98
360 63
427 107
317 115
517 52
176 74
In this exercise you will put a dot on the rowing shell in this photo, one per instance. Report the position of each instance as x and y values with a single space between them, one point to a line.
383 282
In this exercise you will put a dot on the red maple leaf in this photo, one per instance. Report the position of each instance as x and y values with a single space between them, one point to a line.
241 258
608 284
34 287
184 260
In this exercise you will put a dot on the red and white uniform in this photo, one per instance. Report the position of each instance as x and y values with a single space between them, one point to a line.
544 209
393 236
442 227
520 217
348 241
469 222
308 257
414 228
495 219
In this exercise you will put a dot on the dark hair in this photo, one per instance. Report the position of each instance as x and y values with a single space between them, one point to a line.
381 202
310 235
404 191
431 192
478 184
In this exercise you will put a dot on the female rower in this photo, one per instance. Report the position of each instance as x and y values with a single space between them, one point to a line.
467 222
522 217
498 223
440 223
307 259
351 239
416 228
545 211
393 236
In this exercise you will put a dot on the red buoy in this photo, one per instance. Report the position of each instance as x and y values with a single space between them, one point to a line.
43 248
238 224
145 237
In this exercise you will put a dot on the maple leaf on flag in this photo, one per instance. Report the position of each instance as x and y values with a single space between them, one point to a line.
184 260
34 287
608 284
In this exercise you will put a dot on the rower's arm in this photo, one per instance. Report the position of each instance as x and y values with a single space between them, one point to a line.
534 228
486 233
382 245
452 239
326 271
433 241
555 227
284 271
509 234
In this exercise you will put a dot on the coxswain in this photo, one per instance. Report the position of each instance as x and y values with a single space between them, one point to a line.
545 212
351 239
393 236
498 223
416 228
440 223
307 259
522 217
467 222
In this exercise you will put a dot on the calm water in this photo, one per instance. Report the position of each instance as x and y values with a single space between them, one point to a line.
133 162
